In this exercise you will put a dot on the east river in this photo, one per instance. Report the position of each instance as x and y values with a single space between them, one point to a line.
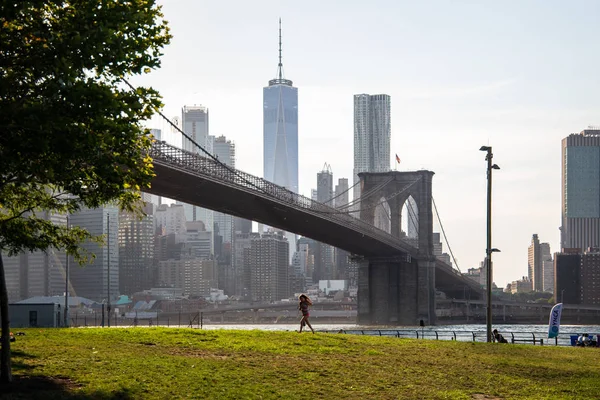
520 333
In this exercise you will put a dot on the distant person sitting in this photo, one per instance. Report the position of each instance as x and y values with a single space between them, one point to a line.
498 337
583 340
586 339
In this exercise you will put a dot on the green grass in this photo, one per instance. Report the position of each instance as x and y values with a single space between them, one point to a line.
157 363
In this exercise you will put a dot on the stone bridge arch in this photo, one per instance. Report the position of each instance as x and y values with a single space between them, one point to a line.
396 187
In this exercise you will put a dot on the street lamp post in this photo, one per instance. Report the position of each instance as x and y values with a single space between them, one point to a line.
66 310
489 250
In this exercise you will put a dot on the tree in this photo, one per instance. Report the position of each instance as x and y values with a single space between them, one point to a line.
70 130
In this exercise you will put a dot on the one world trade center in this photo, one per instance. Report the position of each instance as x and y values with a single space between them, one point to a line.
280 133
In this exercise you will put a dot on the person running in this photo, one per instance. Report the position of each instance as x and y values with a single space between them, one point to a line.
303 306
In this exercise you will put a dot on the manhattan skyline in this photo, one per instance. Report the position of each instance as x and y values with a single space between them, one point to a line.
461 75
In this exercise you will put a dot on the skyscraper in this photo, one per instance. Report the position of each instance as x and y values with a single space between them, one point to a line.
325 185
341 193
540 268
280 129
581 190
136 251
324 252
91 281
194 121
224 150
547 268
280 134
170 219
36 273
372 134
534 265
267 261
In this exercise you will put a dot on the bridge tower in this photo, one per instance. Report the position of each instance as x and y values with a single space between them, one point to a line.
398 290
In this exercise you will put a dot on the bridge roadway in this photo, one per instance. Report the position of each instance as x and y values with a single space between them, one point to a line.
197 180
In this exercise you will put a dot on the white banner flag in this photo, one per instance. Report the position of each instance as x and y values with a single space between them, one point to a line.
554 321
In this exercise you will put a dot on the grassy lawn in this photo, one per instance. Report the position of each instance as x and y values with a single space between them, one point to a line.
158 363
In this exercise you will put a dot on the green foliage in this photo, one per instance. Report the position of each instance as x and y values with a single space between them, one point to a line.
535 297
159 363
70 131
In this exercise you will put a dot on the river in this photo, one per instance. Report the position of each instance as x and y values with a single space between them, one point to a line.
465 332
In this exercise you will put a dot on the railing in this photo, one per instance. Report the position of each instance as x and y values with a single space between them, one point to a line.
195 164
535 338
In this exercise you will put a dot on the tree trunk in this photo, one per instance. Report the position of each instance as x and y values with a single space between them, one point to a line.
5 368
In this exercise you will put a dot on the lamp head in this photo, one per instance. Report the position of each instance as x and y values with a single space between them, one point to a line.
495 166
495 250
485 148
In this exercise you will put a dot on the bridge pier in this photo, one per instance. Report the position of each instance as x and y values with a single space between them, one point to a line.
398 289
395 291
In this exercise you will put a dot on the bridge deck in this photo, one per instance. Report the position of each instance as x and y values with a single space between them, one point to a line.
197 180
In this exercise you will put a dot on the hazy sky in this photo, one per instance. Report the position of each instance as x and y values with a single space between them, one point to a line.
516 75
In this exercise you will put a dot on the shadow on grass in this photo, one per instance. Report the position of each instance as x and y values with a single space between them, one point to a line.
43 387
16 360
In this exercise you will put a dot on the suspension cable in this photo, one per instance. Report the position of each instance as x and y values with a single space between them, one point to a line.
444 233
213 158
365 194
344 192
385 199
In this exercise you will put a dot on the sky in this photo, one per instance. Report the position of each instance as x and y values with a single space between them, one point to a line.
515 75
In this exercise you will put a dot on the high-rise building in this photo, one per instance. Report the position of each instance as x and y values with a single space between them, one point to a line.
170 219
243 241
523 285
539 259
547 268
280 129
224 230
91 281
325 185
198 242
534 264
242 225
224 150
324 266
581 190
372 135
307 248
268 264
194 121
342 262
151 199
136 251
36 273
280 134
577 276
341 193
196 277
